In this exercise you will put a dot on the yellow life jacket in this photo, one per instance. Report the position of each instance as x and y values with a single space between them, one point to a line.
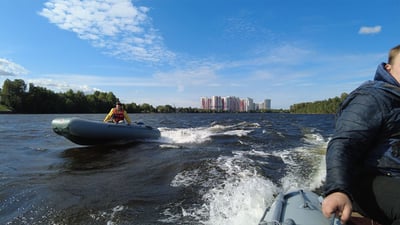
118 115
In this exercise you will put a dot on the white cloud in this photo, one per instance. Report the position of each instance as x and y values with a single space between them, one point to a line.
116 26
370 30
8 68
60 85
90 83
195 74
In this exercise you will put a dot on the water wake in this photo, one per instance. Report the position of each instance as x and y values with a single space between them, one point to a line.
236 191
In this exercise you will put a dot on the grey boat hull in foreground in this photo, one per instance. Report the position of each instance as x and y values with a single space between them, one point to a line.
89 132
299 207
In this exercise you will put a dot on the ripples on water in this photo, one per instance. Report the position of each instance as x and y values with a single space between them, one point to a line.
205 169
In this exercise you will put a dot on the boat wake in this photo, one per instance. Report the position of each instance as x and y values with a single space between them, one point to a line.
238 187
200 135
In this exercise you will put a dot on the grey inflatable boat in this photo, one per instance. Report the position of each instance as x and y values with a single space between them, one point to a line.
298 207
88 132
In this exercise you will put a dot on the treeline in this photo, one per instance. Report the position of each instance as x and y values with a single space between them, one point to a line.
22 98
329 106
19 97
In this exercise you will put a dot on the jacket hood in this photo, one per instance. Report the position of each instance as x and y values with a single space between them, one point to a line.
382 75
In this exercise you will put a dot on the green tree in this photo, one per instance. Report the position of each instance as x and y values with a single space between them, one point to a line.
146 108
41 100
13 94
132 108
165 109
328 106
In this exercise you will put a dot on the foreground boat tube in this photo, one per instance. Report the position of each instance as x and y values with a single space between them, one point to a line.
297 207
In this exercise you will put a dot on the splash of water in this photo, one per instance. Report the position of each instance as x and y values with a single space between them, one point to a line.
199 135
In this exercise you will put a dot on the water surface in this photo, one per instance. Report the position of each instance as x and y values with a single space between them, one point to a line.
205 169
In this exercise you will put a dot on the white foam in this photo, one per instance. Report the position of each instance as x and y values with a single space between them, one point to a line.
238 133
185 178
313 151
243 197
241 202
199 134
314 139
185 135
232 190
110 215
170 146
239 199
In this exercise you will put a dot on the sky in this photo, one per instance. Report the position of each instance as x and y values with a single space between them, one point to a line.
173 52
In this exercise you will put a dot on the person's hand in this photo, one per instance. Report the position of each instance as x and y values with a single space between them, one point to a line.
339 204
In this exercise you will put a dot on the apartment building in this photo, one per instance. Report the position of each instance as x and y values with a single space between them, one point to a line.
233 104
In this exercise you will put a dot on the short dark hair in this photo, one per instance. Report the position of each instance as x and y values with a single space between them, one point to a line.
393 53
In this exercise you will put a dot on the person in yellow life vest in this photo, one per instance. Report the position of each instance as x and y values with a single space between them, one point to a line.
118 115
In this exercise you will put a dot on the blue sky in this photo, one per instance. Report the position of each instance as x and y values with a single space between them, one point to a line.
177 51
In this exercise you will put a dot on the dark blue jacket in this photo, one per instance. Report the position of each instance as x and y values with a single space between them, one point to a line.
367 134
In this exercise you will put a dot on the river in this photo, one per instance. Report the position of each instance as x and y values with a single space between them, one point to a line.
212 169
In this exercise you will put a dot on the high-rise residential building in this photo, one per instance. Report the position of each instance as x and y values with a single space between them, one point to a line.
216 103
233 104
225 103
205 103
267 104
248 105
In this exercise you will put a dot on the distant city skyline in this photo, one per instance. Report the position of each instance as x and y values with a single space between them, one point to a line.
233 104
